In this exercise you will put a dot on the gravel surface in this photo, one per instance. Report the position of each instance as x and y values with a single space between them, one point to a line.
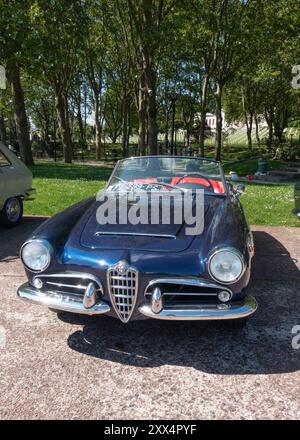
68 366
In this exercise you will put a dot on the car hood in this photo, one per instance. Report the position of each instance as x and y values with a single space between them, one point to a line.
170 237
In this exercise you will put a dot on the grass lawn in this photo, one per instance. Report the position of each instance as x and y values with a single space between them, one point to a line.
269 205
250 167
59 186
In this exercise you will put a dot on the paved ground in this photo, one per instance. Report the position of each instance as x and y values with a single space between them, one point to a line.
80 367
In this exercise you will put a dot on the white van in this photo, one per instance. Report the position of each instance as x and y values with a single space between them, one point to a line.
15 187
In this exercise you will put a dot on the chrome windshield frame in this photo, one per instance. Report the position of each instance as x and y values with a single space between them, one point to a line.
222 175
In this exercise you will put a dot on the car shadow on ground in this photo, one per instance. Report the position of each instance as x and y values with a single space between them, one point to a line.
264 346
12 239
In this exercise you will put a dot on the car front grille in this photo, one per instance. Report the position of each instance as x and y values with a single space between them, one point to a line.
123 287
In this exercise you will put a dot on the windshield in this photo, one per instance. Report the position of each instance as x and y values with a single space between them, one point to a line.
165 173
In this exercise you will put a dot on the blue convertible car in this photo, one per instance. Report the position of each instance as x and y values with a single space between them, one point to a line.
166 239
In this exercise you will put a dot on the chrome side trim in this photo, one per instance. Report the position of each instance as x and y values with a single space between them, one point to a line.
186 281
187 293
58 301
79 286
70 274
136 234
203 312
83 276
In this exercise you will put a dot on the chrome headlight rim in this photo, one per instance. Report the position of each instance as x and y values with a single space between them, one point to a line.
233 251
47 246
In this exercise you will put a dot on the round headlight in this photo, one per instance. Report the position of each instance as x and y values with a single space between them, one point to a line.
226 266
36 255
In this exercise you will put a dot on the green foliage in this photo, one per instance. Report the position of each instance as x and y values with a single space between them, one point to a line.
102 48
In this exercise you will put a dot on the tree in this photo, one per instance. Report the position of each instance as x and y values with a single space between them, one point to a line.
56 40
232 29
41 108
144 24
202 35
14 31
95 52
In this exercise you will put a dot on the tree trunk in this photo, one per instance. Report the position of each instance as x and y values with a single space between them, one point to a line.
203 114
21 121
45 129
280 124
125 125
98 128
150 76
270 138
142 116
82 139
166 129
248 121
152 124
3 135
249 134
62 124
249 125
188 136
67 118
257 130
270 121
279 134
129 128
219 122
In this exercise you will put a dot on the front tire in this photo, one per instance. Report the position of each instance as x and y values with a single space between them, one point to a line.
12 212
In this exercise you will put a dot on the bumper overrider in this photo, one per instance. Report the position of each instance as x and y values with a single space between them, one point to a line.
161 299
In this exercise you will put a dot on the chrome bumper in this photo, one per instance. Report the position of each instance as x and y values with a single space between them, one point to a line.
60 301
209 312
90 305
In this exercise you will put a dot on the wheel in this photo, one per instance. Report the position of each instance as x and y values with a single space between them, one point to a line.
53 310
12 212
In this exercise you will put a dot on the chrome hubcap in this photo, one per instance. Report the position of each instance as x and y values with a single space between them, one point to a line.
13 210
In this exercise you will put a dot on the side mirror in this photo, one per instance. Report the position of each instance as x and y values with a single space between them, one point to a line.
240 188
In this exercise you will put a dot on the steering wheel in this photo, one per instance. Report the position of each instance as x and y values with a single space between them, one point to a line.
197 174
